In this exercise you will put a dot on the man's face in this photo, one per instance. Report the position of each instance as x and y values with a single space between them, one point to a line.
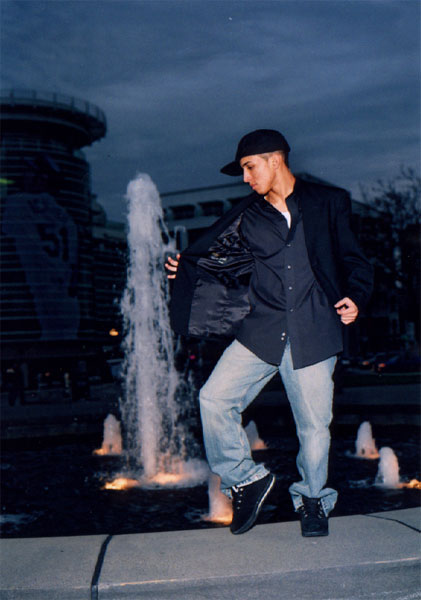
258 172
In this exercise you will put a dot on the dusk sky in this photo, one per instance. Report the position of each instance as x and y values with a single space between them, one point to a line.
180 81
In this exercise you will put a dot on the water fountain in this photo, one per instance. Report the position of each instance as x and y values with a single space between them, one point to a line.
67 495
388 471
155 438
111 443
365 445
220 506
256 443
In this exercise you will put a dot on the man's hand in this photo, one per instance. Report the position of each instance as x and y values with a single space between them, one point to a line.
347 310
172 265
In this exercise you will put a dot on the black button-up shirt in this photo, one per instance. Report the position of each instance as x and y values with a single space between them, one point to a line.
286 300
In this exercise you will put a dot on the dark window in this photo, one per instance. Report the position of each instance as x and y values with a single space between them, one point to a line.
184 211
235 201
214 207
194 234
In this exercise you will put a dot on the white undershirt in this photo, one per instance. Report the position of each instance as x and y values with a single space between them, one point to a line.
287 216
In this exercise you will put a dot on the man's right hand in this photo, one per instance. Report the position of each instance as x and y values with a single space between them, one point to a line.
172 265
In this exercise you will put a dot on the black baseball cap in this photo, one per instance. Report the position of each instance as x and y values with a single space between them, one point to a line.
256 142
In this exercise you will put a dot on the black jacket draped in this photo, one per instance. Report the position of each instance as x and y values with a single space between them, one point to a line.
210 293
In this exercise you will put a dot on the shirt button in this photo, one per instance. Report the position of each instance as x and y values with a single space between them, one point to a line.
290 287
291 310
289 267
288 245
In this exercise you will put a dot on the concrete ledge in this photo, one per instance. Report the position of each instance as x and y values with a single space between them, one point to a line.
48 568
177 564
364 557
366 582
411 517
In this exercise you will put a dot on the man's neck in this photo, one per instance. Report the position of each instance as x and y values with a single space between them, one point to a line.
282 188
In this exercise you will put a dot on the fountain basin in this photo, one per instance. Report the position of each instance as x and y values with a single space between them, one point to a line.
51 489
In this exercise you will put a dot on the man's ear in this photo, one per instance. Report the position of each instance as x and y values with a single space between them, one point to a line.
275 160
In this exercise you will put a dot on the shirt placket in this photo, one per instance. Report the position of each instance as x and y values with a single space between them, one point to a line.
287 269
289 286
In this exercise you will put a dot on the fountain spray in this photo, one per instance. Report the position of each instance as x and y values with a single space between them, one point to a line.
388 471
365 445
154 435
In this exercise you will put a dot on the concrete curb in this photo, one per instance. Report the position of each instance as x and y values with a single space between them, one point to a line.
373 556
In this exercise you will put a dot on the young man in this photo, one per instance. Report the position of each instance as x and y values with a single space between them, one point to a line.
281 272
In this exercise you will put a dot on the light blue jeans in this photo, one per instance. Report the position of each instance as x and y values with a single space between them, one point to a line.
234 383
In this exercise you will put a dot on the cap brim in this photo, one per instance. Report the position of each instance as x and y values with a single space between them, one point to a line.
233 169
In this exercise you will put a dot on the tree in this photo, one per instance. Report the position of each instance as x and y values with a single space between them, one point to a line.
399 199
397 256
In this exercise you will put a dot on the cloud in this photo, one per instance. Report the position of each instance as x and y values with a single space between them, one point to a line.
180 81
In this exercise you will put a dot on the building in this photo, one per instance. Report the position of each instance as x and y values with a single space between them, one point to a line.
109 251
47 288
188 213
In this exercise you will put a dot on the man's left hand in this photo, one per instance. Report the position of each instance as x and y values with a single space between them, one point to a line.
347 310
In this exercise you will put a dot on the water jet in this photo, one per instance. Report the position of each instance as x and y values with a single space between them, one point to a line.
111 443
156 440
365 445
388 470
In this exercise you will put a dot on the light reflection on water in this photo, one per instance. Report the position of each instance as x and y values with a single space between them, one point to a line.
57 489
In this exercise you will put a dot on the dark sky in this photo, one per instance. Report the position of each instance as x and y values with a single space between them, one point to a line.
181 81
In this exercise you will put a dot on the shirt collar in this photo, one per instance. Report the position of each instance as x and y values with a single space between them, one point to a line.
295 194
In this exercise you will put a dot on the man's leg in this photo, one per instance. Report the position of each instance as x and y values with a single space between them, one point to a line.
310 393
234 383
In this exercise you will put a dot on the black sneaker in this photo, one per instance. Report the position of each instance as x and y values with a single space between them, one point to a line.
313 519
247 501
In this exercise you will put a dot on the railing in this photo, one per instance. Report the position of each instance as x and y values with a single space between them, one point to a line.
54 99
25 143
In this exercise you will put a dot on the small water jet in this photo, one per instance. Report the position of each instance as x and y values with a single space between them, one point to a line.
111 443
365 445
256 443
388 471
220 506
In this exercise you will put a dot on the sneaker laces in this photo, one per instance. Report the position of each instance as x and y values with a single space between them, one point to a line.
312 509
238 495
